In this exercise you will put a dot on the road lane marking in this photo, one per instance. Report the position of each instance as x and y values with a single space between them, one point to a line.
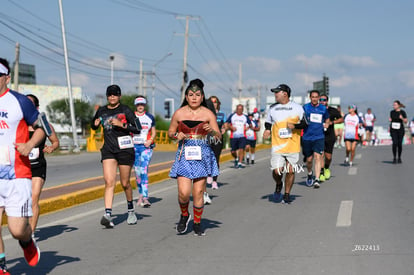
344 214
358 156
352 171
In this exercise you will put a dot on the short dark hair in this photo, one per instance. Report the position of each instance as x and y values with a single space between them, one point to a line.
314 91
35 99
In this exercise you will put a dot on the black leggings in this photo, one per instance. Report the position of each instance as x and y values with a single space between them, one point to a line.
397 139
217 146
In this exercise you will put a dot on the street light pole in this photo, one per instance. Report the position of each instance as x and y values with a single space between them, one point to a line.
153 81
111 58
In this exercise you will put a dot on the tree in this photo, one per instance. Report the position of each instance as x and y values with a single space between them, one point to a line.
59 112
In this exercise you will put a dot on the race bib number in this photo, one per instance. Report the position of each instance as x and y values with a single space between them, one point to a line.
317 118
395 125
4 155
138 139
125 142
193 153
285 133
34 154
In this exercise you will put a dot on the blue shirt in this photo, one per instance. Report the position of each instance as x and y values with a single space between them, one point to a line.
315 116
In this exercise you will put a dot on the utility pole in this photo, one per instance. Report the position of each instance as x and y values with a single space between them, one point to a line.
240 82
140 76
72 109
111 58
16 68
186 35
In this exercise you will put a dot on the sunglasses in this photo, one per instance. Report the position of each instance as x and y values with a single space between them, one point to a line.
140 104
323 100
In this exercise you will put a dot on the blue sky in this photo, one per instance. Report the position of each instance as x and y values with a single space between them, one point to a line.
364 47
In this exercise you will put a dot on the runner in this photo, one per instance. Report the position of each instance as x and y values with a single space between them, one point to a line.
39 166
217 145
17 112
237 122
352 122
284 122
313 139
334 118
411 125
118 123
339 129
143 146
369 119
398 118
194 160
251 138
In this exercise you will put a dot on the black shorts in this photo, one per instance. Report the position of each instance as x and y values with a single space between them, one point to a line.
369 128
39 171
251 143
124 157
329 144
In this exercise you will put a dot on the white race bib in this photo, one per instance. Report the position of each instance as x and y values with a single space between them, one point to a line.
34 154
125 142
138 139
192 152
317 118
285 133
395 125
4 155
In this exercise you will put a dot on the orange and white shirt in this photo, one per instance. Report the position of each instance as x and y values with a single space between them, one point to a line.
285 140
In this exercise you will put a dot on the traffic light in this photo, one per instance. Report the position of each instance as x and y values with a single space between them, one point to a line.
326 85
167 107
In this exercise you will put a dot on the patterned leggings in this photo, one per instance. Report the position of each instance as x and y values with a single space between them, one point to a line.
142 159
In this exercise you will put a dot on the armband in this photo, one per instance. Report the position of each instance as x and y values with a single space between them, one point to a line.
42 121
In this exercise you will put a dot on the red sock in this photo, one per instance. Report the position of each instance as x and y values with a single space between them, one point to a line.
198 211
184 208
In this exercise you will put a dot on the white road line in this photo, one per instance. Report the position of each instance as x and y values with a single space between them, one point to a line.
352 171
344 214
97 210
358 156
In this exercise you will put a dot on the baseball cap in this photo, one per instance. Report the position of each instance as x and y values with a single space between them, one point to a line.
352 106
140 100
281 87
113 90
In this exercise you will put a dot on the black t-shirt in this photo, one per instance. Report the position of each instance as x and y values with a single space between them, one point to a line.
333 114
36 156
112 133
397 124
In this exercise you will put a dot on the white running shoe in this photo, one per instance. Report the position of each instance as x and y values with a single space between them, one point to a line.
207 199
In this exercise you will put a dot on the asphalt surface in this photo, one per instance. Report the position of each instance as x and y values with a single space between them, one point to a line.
361 221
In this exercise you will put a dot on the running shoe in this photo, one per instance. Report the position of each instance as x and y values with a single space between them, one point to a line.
198 229
183 224
346 161
106 221
316 184
277 197
247 161
309 180
286 199
132 218
140 201
327 173
3 271
214 185
322 178
31 253
399 160
207 199
236 161
350 164
394 161
240 165
252 161
146 203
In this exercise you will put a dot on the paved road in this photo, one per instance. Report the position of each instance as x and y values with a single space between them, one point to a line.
359 222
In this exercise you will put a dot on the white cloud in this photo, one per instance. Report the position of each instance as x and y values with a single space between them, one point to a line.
341 63
80 80
407 78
